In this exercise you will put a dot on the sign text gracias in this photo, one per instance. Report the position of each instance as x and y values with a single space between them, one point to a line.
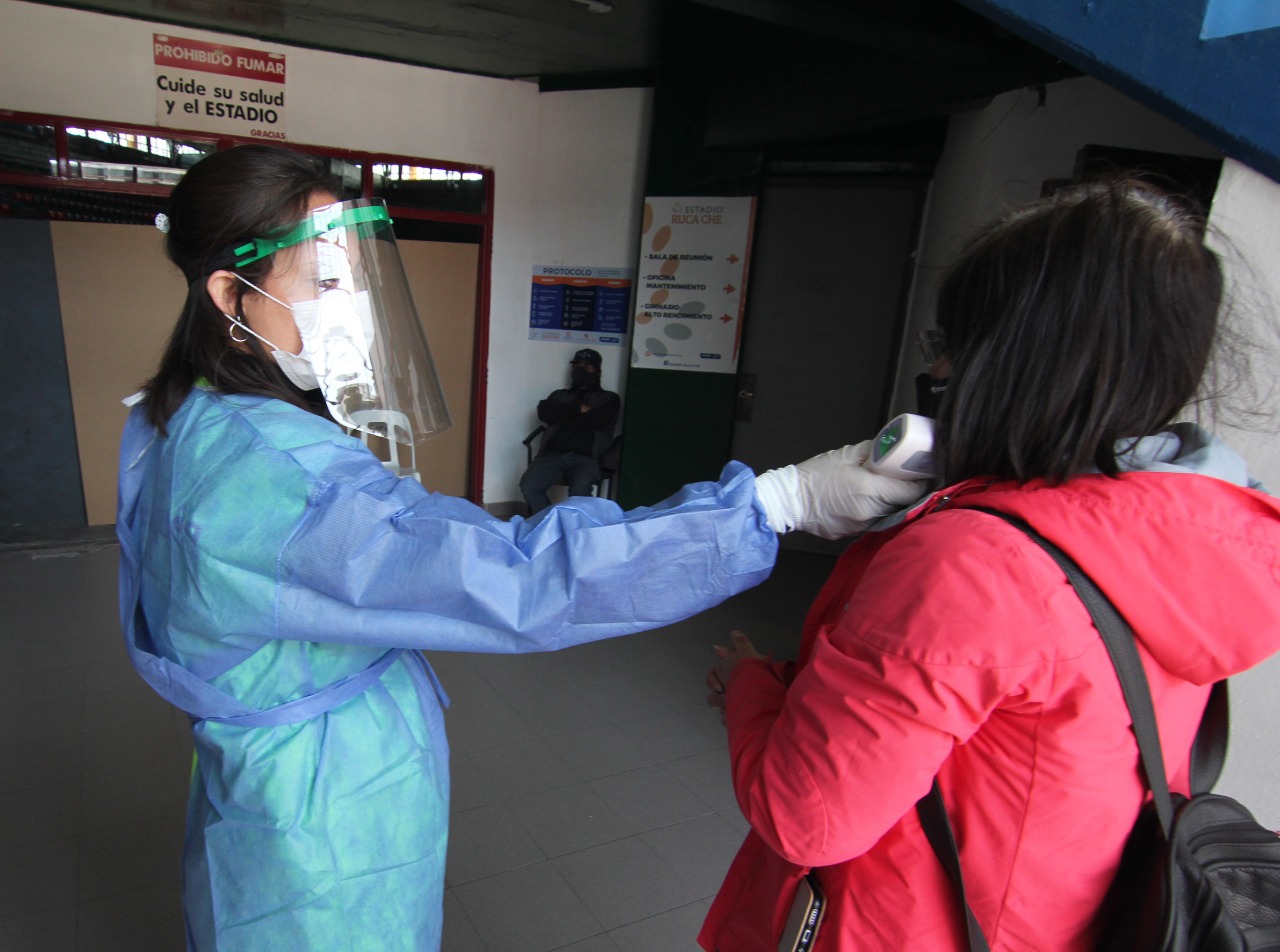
211 87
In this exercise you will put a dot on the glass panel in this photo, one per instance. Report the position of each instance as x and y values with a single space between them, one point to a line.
420 229
419 186
75 204
27 148
349 173
101 156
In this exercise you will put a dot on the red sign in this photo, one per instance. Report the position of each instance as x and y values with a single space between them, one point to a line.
180 53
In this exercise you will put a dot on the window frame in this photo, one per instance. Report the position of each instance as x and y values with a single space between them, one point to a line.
483 220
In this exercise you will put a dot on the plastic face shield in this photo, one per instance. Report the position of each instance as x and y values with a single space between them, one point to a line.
360 331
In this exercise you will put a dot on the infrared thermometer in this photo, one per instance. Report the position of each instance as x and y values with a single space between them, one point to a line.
903 449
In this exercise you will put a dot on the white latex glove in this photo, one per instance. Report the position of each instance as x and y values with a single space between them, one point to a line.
833 495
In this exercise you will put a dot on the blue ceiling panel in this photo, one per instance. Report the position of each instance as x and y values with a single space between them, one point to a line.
1226 89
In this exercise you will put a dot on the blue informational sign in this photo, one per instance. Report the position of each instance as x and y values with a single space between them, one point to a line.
581 305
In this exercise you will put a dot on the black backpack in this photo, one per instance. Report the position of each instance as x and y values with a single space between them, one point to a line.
1198 874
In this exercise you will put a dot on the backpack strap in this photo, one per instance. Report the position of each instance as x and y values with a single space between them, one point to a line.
1209 749
1207 753
937 827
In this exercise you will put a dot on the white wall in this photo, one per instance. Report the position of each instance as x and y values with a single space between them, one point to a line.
997 157
593 147
567 166
1246 210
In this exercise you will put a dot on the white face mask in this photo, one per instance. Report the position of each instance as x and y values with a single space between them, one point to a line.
335 330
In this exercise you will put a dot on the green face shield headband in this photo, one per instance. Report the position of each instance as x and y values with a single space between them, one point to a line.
364 219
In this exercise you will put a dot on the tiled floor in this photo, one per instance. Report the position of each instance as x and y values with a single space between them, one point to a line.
592 807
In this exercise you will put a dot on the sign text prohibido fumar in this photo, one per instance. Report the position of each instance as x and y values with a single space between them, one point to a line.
691 283
212 87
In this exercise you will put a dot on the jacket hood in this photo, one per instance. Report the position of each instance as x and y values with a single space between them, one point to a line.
1184 542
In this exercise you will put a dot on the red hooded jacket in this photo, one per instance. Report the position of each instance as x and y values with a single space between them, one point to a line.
953 646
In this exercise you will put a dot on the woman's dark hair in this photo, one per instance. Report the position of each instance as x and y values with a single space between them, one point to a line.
1084 320
245 192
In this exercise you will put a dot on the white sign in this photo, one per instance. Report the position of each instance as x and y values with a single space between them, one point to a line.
212 87
691 283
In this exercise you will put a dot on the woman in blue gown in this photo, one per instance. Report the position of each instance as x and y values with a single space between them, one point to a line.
276 581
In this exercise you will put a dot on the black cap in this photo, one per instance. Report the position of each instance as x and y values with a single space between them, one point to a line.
587 356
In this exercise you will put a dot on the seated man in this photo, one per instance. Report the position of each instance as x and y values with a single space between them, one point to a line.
580 423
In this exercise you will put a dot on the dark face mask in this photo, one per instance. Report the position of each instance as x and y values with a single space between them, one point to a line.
581 377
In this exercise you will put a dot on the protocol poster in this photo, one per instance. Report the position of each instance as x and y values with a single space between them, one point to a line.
691 284
580 305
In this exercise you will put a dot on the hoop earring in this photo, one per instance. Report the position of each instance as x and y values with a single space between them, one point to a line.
232 324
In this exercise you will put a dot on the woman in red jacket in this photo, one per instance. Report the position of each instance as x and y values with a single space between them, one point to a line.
949 645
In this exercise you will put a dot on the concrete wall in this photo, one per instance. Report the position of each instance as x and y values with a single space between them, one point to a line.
567 166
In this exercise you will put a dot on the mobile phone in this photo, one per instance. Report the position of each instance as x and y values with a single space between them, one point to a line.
805 917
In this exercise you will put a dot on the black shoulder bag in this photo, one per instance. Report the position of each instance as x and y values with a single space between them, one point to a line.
1198 874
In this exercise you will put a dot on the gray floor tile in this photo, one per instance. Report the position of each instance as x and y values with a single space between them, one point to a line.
39 878
135 706
488 840
143 920
597 943
51 931
518 770
531 909
456 671
733 816
568 818
459 934
37 814
126 749
34 764
468 787
108 801
671 734
130 858
524 674
600 751
699 850
707 775
111 671
673 931
626 696
60 684
611 660
649 798
623 882
19 655
480 719
557 712
42 723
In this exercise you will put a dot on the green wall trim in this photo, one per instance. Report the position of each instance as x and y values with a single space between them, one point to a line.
678 426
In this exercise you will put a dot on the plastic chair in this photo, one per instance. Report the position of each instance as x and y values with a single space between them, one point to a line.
609 461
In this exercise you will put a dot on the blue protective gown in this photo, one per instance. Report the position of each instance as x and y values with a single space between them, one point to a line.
274 581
